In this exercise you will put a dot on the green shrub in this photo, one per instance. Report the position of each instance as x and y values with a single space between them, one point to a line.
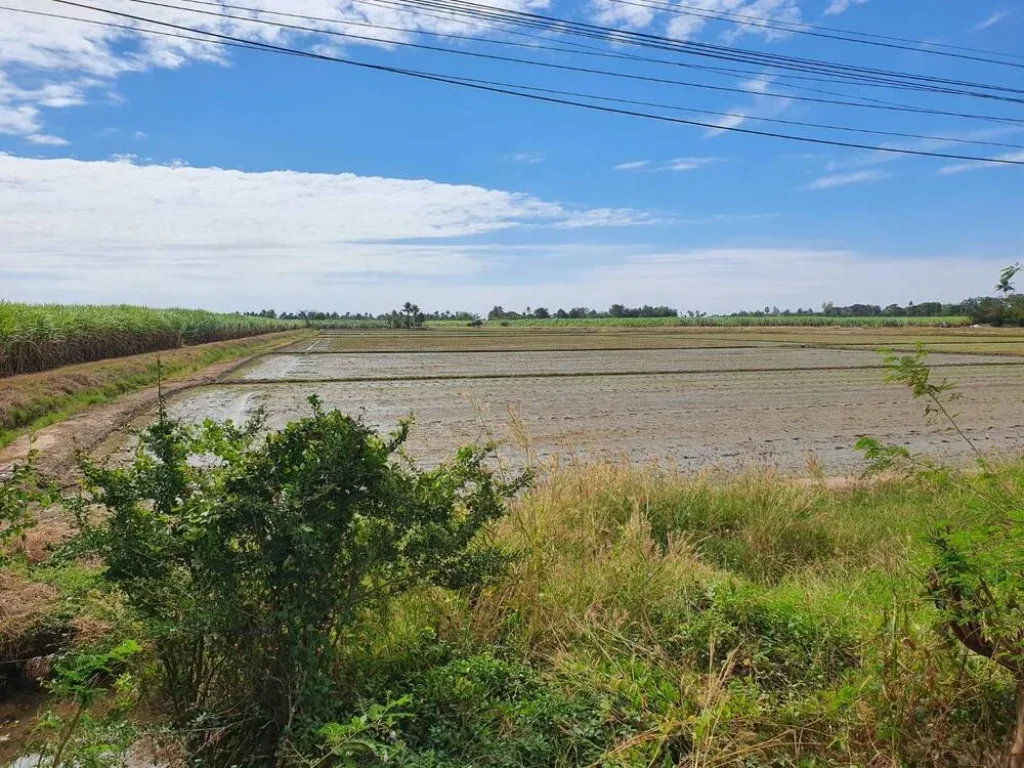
775 643
250 562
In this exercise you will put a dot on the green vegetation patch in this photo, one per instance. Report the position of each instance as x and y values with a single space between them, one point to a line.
35 401
38 337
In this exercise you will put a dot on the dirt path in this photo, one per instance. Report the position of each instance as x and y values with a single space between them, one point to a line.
58 443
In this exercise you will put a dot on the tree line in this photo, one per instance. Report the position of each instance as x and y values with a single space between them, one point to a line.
1006 308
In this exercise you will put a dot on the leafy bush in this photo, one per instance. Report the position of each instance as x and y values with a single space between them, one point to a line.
975 567
249 562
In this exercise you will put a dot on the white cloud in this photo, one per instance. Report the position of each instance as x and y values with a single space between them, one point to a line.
687 26
676 164
705 279
936 144
758 84
92 228
140 135
47 140
691 163
225 239
789 277
529 158
845 179
949 170
50 63
991 21
19 120
763 105
837 7
621 15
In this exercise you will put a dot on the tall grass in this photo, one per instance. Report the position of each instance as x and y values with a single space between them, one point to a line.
37 337
811 321
743 615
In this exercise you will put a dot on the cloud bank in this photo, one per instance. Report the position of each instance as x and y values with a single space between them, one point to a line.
117 231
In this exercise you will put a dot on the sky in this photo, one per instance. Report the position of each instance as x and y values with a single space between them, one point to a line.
170 172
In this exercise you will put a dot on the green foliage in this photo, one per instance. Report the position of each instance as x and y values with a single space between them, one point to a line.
975 567
36 337
478 709
21 492
774 643
1005 309
709 321
249 562
370 736
84 739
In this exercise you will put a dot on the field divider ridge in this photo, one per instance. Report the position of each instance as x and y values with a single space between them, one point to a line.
583 374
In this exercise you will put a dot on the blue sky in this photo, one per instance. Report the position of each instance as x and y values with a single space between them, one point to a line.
157 171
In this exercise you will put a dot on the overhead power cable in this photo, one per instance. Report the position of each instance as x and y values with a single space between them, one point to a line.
234 41
596 97
747 20
873 35
569 67
541 43
620 36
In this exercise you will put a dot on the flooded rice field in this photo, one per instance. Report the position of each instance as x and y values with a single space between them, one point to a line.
692 407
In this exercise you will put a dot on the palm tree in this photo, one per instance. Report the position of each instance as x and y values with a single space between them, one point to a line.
1005 286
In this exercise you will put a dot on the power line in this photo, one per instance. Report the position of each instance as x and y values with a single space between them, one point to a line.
586 50
821 32
222 39
927 46
568 67
472 9
451 15
575 94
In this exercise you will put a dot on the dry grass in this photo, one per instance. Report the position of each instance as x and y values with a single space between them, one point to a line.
756 621
22 603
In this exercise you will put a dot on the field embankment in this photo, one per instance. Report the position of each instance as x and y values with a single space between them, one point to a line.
39 337
35 400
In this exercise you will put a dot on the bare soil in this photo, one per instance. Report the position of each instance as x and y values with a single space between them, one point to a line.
401 365
58 444
777 415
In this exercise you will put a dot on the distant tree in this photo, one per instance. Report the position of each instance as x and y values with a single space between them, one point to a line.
497 313
541 313
561 314
412 316
1005 284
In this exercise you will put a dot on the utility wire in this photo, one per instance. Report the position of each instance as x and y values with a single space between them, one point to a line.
925 45
803 29
509 90
466 7
574 94
846 79
566 67
586 50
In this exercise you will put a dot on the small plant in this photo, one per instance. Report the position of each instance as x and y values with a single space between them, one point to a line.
371 735
975 573
83 678
21 492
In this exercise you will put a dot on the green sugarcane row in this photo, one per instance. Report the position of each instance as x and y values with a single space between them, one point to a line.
38 337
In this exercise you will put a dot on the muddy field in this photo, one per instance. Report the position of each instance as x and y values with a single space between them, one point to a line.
554 339
403 365
694 407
